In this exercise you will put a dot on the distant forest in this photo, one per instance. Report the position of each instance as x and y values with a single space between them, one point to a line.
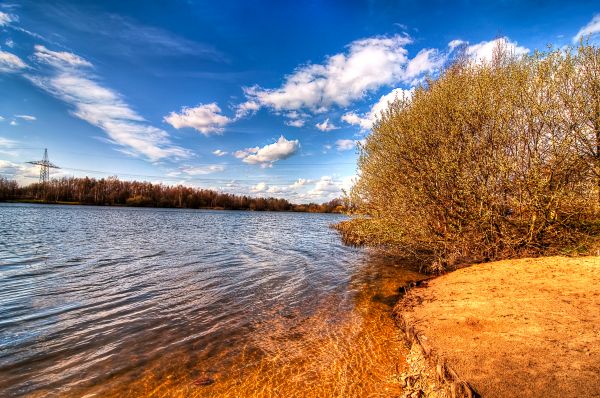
114 192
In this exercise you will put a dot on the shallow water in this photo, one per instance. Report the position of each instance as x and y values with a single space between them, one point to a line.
158 302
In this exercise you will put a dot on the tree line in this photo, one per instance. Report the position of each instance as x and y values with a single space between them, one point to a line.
490 160
114 192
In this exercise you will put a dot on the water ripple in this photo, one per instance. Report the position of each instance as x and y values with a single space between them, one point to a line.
89 293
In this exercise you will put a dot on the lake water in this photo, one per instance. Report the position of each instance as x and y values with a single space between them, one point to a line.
158 302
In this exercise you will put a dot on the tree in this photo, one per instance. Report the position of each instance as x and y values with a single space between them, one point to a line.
491 160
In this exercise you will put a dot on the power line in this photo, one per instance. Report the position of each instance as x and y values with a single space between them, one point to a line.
186 179
237 164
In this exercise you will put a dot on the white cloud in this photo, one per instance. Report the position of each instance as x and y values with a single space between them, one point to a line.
6 19
354 118
326 125
295 123
484 51
105 109
29 118
296 119
277 190
10 62
242 153
9 43
366 121
219 153
246 108
592 28
345 145
13 123
205 118
385 100
269 154
326 188
367 65
300 183
202 170
25 173
18 170
456 43
1 118
260 187
427 61
59 59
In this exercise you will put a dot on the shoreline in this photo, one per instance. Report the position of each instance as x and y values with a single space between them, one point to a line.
64 203
526 327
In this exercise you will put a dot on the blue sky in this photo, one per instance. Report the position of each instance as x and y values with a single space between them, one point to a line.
249 97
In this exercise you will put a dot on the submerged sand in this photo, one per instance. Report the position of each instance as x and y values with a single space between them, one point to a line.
515 328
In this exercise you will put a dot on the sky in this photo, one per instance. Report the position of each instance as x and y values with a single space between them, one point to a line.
262 98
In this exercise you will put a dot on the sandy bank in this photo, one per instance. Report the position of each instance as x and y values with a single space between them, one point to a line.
518 328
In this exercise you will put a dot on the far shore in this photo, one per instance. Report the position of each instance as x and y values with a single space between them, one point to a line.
513 328
43 202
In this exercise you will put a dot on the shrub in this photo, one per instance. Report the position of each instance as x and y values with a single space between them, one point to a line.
491 160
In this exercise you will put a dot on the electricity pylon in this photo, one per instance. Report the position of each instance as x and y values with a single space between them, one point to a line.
45 166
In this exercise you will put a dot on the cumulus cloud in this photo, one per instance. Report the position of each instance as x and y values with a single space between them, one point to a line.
29 118
327 188
367 65
219 153
1 118
202 170
205 118
300 183
295 123
366 121
277 190
10 62
246 108
59 59
456 43
592 28
484 51
269 154
258 188
9 43
427 61
326 125
345 145
102 107
13 123
295 118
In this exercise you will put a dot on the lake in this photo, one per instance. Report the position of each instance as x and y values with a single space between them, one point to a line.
99 301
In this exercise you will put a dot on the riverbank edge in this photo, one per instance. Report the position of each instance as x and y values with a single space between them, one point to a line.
119 206
427 372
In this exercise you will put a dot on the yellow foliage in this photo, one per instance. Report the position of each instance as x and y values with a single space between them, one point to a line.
491 160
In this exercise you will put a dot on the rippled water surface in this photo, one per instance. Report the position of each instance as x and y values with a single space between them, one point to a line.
157 302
